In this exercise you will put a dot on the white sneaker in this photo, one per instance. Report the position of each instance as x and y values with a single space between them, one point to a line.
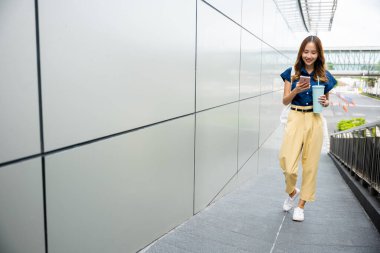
298 214
289 202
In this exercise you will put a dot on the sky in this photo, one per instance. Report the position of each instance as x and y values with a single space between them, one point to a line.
356 23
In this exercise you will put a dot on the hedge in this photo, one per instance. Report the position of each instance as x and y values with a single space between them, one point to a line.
351 123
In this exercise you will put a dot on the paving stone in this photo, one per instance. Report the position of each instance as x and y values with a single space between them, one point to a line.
303 248
249 218
163 247
194 243
207 230
299 233
252 227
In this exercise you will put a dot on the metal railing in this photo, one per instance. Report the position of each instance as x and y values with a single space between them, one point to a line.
359 150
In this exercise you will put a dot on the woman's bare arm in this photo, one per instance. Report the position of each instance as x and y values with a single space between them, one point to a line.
290 94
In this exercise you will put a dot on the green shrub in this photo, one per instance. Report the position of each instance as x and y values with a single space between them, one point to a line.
351 123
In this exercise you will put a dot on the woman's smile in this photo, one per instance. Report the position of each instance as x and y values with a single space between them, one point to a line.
310 54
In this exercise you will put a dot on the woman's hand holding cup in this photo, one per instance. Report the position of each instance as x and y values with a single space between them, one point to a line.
323 101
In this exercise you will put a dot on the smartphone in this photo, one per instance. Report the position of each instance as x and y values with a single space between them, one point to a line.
305 79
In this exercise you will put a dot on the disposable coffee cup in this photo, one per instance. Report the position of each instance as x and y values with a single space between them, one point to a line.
318 91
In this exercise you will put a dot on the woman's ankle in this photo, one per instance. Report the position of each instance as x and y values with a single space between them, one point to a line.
301 204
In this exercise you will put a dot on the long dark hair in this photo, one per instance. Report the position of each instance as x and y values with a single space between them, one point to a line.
319 64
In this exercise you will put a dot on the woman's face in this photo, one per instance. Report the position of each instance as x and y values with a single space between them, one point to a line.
310 54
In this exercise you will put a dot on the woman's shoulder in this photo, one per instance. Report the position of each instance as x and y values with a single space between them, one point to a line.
330 78
288 71
328 73
286 74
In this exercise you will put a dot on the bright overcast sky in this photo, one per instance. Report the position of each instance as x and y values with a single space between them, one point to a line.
356 23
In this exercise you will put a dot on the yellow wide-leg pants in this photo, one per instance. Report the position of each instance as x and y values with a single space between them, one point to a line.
303 135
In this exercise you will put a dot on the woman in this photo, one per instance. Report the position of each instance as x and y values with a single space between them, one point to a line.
304 131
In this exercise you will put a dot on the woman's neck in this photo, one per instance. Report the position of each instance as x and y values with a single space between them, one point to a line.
309 69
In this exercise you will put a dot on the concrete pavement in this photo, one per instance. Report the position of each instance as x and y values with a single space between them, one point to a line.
250 219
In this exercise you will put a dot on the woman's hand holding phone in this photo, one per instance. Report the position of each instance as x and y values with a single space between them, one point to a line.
303 84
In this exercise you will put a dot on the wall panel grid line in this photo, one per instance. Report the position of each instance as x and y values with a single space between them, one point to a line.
268 137
242 27
76 145
38 57
195 98
242 166
232 177
261 71
237 147
39 77
221 190
238 136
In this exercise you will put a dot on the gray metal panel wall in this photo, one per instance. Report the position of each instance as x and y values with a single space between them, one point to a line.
250 65
21 209
249 128
216 152
116 65
19 127
218 58
180 73
120 194
252 16
232 9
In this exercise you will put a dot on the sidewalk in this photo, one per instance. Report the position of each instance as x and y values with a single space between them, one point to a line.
250 219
